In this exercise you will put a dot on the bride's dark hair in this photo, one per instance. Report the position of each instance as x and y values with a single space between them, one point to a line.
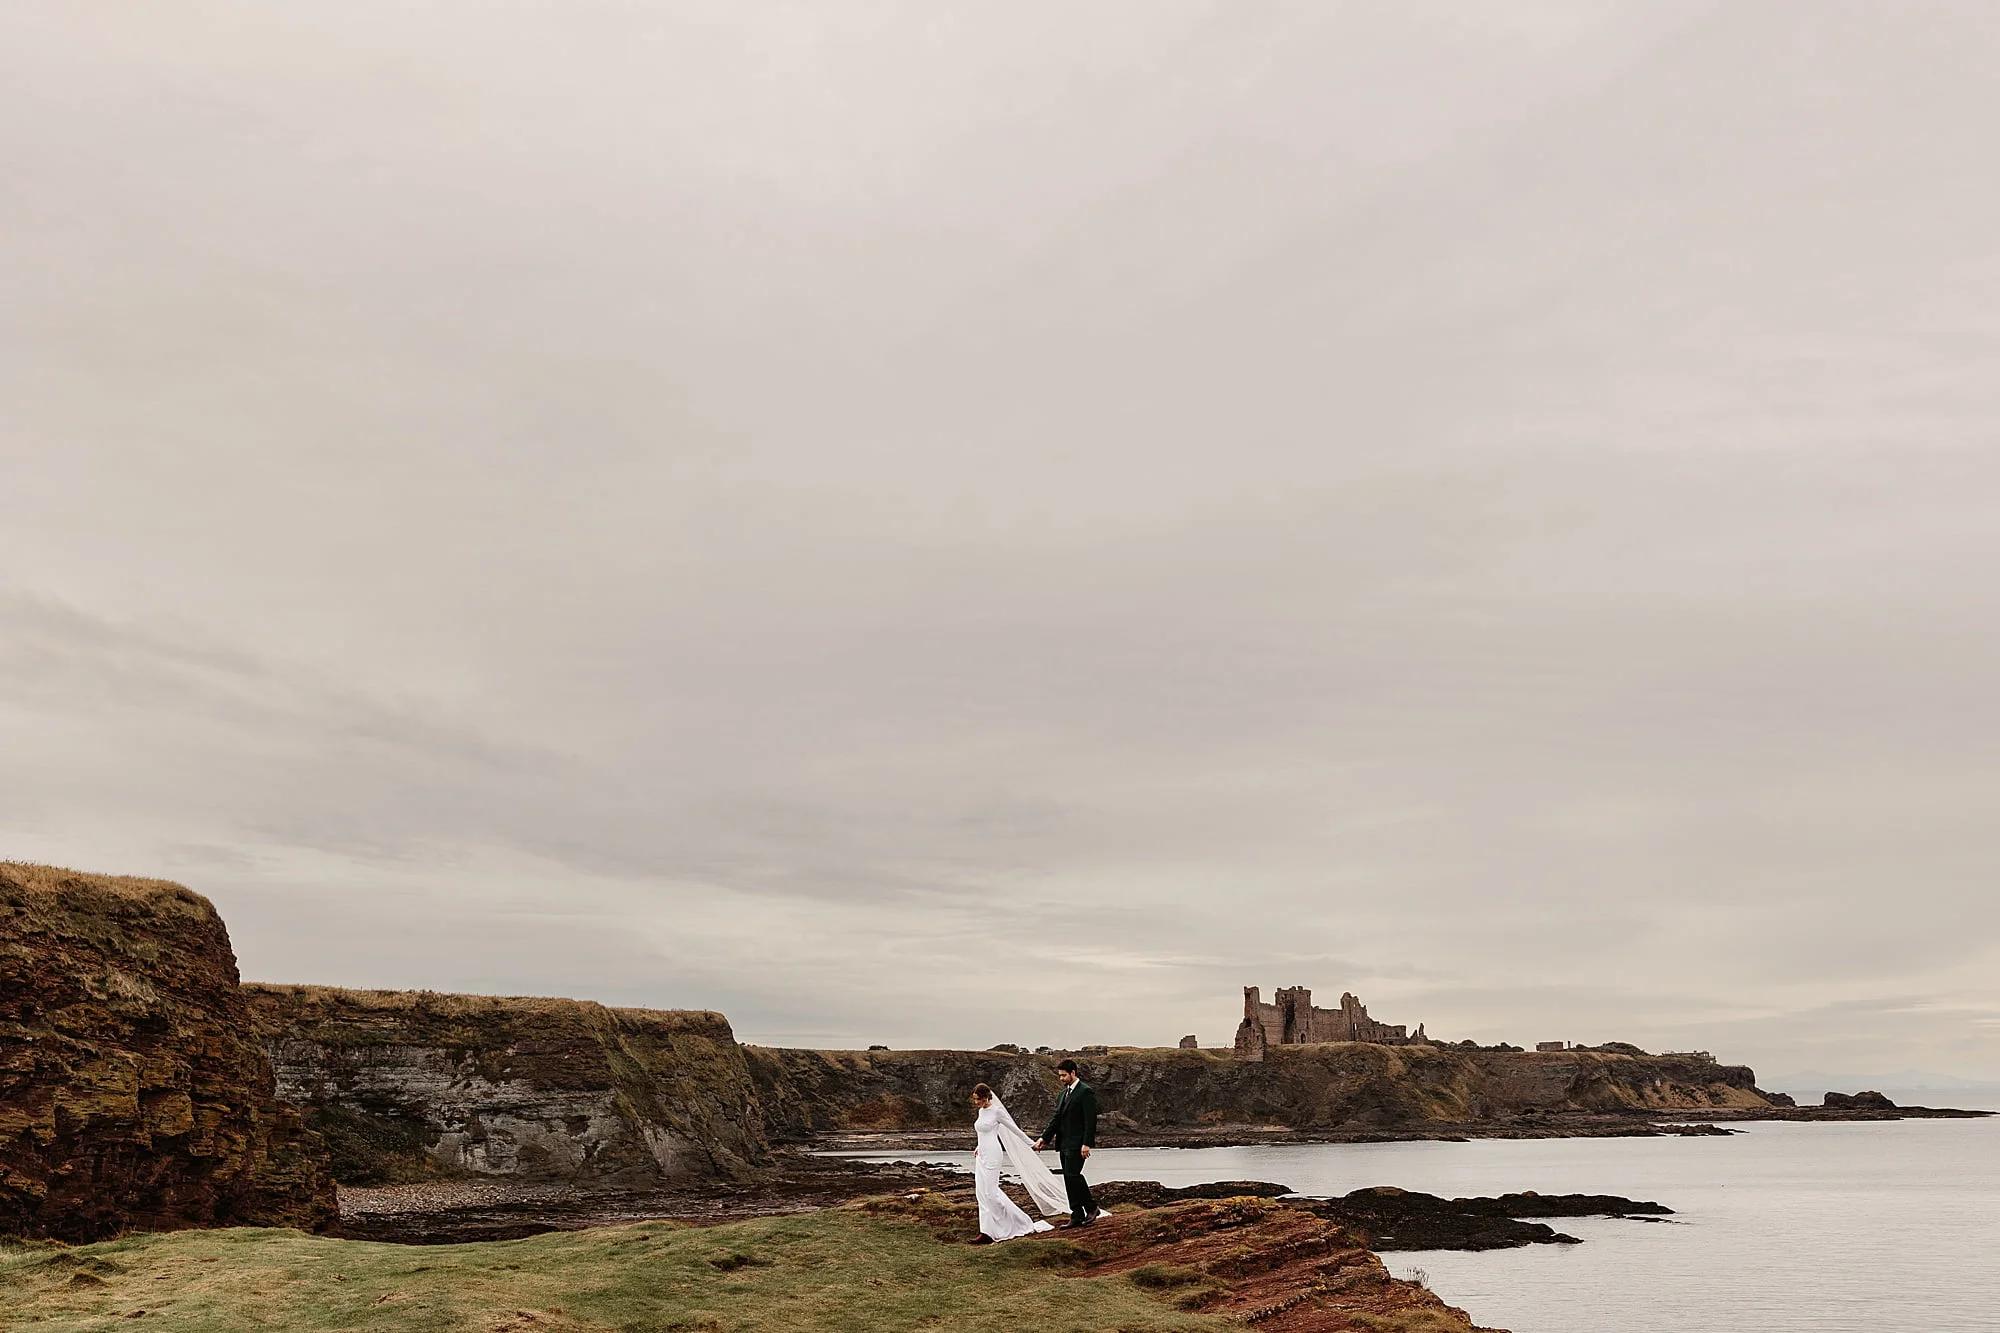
982 1093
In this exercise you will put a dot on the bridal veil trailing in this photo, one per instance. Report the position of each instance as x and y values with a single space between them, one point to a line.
1020 1150
1002 1144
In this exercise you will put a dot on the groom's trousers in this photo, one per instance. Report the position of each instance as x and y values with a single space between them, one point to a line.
1081 1207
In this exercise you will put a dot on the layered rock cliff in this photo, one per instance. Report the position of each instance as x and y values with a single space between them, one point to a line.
408 1084
1340 1085
131 1093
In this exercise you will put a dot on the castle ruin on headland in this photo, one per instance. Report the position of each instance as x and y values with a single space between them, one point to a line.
1293 1021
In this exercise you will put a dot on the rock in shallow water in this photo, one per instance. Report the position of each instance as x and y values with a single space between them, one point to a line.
1395 1219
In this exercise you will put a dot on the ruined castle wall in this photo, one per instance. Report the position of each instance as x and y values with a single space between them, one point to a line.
1269 1018
1293 1020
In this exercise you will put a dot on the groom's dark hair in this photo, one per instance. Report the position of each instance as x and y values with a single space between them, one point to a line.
1068 1066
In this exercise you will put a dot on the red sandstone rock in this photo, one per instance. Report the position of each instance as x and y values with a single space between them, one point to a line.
1255 1260
132 1094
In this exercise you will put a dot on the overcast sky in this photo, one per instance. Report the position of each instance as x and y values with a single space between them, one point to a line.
948 524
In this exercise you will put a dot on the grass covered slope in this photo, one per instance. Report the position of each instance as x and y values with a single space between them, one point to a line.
832 1270
893 1263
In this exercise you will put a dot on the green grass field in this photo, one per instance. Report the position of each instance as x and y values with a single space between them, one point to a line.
842 1269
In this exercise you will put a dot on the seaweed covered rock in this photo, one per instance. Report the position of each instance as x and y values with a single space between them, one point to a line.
1396 1219
132 1095
1152 1194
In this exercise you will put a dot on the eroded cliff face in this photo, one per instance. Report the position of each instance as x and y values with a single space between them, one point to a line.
803 1092
408 1084
1341 1085
132 1096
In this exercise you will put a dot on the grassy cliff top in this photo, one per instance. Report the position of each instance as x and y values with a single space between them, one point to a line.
39 884
445 1002
396 1001
343 1016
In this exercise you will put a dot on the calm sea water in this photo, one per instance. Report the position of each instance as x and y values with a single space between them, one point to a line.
1783 1228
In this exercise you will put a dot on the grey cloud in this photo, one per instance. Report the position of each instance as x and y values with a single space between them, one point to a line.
790 509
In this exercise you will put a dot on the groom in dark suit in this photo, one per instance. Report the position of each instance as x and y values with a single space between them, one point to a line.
1073 1131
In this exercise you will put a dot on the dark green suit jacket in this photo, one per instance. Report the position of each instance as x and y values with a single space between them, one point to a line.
1074 1125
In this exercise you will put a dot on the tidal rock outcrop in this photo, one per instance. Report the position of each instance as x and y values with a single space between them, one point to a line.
132 1095
1395 1219
1152 1194
1386 1218
1355 1087
413 1084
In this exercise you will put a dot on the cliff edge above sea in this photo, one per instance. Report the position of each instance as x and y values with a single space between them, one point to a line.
416 1085
1330 1090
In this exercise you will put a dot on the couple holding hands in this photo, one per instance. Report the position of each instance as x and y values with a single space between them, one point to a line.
1072 1132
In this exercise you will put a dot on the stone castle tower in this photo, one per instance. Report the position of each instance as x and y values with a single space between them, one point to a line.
1293 1021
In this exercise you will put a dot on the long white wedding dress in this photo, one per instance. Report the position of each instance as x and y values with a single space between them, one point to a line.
1001 1143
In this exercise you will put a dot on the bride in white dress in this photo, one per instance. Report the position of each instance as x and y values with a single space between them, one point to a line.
1001 1143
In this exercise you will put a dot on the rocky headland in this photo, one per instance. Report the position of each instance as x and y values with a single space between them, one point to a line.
1326 1092
1868 1106
414 1085
132 1093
